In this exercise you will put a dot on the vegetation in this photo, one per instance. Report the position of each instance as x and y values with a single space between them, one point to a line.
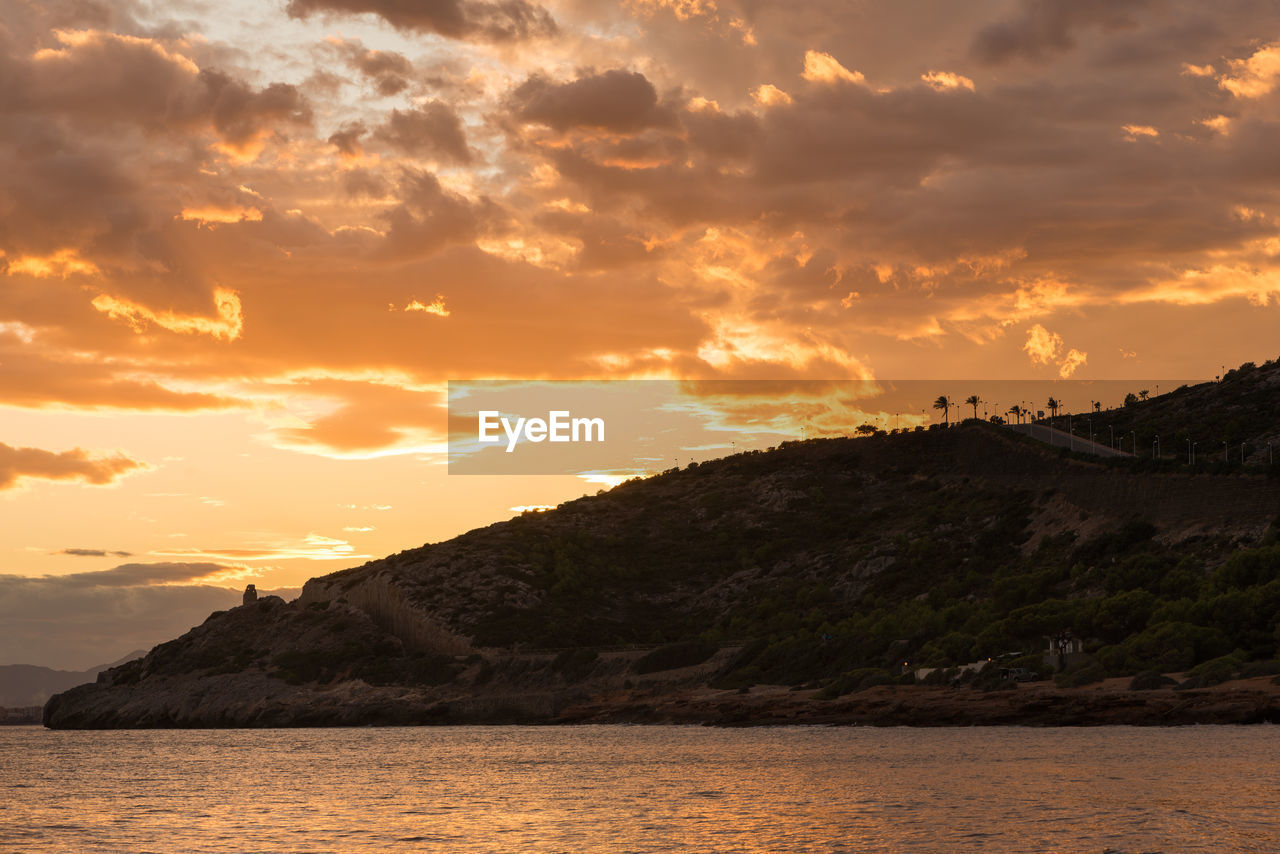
826 560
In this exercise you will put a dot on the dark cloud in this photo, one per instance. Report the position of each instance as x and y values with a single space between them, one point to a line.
77 464
140 575
615 100
94 553
433 129
429 217
347 138
506 20
388 71
1043 27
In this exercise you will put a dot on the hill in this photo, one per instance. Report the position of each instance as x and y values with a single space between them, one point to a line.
826 565
30 685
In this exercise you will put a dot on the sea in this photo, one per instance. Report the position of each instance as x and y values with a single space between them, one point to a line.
642 789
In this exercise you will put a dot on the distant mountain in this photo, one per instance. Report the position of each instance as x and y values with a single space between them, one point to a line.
825 565
31 685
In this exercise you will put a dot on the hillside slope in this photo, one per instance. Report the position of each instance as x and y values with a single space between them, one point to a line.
826 563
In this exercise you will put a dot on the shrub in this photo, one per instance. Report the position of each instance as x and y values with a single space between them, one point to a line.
1087 673
1150 680
574 664
1213 672
1270 667
855 680
673 656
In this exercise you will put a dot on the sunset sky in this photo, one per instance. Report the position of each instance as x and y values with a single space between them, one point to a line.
244 246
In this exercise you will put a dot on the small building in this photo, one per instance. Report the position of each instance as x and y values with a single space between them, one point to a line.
1064 649
250 594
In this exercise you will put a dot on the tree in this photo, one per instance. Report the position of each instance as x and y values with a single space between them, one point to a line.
1053 405
866 430
1016 411
944 403
1144 394
973 400
1097 406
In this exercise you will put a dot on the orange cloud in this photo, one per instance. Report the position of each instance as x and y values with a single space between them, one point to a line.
77 464
436 307
63 263
227 325
215 214
822 67
1255 76
941 81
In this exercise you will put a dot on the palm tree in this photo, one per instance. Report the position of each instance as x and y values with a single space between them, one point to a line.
973 400
944 403
1016 412
1097 406
1144 394
1053 405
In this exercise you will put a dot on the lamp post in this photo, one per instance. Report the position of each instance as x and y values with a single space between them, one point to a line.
1090 420
1157 446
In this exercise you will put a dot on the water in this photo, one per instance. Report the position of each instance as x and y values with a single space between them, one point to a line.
641 789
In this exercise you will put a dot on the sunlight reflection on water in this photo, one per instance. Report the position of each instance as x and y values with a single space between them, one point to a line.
641 789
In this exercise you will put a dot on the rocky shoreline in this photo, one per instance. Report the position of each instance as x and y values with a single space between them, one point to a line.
255 700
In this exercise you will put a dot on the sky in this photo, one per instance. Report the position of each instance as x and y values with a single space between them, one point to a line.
245 245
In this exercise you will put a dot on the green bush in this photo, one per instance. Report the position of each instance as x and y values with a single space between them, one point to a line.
1213 672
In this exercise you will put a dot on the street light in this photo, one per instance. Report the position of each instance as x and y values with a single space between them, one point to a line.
1157 446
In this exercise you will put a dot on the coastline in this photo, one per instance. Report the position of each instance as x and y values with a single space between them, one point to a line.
236 704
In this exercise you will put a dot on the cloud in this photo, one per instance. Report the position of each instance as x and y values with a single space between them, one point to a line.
822 67
77 464
389 71
432 130
506 20
1045 348
226 325
1043 27
435 307
94 553
147 574
1042 345
615 100
942 81
1255 76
